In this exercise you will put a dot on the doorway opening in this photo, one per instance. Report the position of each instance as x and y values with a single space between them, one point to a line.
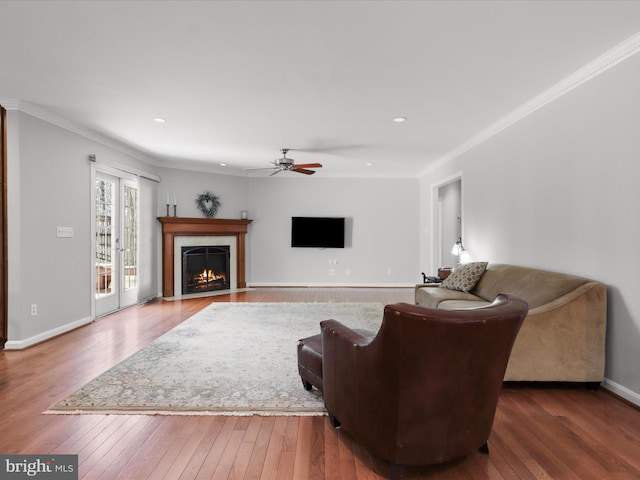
447 221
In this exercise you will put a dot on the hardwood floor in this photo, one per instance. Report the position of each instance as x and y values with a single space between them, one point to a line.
540 432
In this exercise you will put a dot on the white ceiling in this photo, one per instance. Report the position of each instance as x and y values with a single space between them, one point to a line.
237 81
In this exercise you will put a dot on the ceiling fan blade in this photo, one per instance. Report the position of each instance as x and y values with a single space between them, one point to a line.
252 169
302 170
308 165
274 173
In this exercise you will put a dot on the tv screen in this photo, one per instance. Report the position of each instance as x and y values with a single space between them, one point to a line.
317 232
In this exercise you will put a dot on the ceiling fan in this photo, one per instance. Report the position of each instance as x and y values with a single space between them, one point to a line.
285 164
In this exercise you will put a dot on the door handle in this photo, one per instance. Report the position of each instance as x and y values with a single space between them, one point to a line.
117 248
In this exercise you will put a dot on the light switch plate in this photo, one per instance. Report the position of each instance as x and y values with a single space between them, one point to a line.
64 232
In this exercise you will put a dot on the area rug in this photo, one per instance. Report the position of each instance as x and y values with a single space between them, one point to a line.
228 359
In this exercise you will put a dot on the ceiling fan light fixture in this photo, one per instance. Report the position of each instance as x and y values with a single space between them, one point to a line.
286 164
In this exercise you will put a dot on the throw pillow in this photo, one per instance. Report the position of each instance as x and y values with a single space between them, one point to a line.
465 277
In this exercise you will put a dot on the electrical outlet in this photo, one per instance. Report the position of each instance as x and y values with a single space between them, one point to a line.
34 309
347 272
389 271
332 271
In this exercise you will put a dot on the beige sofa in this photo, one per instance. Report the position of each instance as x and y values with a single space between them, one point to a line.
562 337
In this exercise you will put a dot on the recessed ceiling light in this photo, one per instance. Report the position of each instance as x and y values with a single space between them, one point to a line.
369 164
223 164
400 119
159 120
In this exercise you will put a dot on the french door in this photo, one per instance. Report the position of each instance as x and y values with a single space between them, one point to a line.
116 242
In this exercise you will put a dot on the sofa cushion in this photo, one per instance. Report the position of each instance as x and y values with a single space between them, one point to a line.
432 296
465 277
536 287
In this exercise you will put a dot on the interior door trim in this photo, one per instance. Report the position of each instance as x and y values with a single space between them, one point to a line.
4 253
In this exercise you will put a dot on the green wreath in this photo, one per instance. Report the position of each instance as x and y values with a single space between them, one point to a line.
208 203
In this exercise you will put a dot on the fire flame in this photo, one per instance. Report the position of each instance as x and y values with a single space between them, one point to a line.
209 275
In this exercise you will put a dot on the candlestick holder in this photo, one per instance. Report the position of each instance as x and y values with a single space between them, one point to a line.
175 210
167 209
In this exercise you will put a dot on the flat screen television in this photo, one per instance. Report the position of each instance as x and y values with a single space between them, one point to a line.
317 232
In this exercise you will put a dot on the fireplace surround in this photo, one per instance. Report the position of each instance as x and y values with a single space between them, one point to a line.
174 229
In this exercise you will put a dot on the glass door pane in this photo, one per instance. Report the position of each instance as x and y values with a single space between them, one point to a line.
106 268
104 236
130 237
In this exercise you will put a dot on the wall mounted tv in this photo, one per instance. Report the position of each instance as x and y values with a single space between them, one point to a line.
317 232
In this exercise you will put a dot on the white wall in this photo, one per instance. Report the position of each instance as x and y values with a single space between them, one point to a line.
382 231
559 190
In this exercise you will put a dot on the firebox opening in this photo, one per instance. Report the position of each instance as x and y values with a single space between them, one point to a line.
205 269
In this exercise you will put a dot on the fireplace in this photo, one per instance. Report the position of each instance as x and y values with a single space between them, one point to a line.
204 264
180 232
205 268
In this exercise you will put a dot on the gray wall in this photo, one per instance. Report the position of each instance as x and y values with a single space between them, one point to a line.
449 196
559 190
381 231
49 185
186 185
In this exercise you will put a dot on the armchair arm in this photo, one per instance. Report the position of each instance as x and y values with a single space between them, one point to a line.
341 347
356 337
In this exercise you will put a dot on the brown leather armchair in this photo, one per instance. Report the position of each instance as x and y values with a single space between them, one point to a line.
425 389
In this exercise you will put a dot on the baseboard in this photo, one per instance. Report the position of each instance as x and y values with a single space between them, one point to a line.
624 392
332 285
41 337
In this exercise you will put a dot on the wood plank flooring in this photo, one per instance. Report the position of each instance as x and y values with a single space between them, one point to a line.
540 432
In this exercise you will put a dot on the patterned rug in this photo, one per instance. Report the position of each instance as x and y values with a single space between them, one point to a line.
228 359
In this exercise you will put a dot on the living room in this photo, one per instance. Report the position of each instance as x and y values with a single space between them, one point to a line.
552 190
549 183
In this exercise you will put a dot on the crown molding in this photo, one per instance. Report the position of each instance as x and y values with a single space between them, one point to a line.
601 64
45 115
10 103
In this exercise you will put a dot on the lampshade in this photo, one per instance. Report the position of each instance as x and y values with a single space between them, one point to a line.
457 247
459 251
